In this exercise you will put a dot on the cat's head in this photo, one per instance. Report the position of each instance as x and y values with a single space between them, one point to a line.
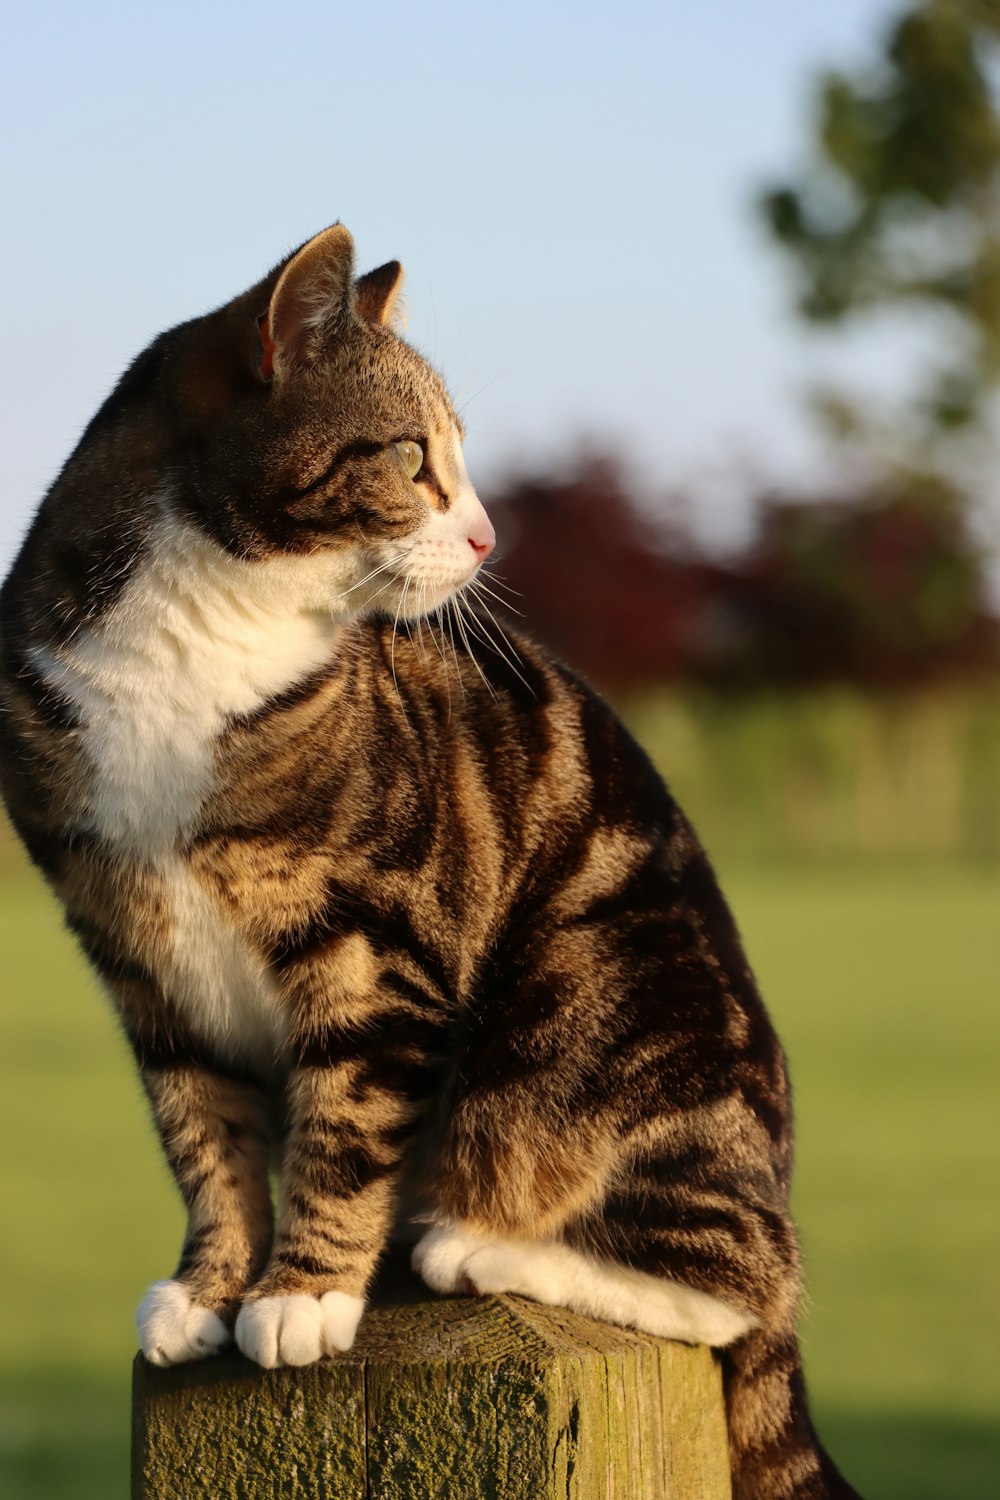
297 424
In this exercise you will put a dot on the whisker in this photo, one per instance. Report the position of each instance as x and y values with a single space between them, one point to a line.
460 624
422 618
500 581
454 650
435 635
419 621
476 627
467 403
388 584
499 649
478 584
436 638
392 649
373 574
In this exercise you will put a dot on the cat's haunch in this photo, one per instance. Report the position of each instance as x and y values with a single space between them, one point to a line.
377 890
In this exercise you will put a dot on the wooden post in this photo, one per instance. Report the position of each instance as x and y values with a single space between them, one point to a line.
493 1398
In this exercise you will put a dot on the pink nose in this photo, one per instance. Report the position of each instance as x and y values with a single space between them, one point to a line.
482 541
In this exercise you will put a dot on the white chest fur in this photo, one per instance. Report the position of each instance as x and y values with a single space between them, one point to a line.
196 638
224 988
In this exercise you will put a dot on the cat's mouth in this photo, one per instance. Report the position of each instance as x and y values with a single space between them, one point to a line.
425 582
438 561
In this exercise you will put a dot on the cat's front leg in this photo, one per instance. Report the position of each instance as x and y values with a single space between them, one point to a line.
350 1114
339 1174
335 1210
216 1136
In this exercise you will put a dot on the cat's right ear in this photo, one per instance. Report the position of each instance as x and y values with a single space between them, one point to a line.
377 294
313 299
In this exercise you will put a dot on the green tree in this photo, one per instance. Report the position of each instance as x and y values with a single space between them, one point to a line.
899 205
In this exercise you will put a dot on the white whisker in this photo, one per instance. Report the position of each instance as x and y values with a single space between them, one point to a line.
469 400
392 648
478 583
499 579
454 652
487 639
387 585
436 638
373 574
460 623
421 614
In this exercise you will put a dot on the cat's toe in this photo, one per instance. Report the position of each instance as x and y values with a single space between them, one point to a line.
297 1330
280 1331
341 1315
173 1329
440 1257
493 1270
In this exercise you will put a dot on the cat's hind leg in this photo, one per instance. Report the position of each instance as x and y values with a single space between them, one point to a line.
451 1258
618 1132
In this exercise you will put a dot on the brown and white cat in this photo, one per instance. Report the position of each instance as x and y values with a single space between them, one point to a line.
420 918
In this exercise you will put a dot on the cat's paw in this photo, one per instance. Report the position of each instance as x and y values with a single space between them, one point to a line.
297 1330
173 1329
532 1271
440 1257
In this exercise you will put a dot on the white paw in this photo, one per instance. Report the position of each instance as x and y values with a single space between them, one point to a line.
440 1257
297 1330
173 1329
496 1269
696 1318
452 1259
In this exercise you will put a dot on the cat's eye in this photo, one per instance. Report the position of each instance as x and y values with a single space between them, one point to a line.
412 456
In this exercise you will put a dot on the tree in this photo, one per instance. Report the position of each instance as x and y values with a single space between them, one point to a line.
899 207
620 595
883 588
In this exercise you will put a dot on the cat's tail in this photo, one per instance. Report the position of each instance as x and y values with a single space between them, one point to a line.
774 1451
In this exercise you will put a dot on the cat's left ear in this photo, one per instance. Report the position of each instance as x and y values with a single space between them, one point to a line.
377 294
312 301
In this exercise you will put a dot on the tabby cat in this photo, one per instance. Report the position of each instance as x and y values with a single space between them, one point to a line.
411 911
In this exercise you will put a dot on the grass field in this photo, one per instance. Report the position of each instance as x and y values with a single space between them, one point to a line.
885 987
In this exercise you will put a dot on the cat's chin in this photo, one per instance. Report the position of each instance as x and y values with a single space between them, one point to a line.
420 600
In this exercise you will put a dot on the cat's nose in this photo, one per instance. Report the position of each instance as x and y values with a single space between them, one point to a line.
482 539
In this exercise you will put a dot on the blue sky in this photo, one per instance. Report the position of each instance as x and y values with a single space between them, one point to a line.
569 189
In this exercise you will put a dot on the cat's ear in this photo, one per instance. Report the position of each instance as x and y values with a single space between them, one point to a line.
377 293
314 297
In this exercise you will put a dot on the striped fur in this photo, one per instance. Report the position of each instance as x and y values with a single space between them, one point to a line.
406 911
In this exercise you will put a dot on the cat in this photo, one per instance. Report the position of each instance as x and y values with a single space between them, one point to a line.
406 908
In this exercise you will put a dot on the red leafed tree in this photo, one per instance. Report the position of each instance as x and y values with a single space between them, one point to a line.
883 588
607 589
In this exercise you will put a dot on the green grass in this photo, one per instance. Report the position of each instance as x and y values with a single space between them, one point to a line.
884 986
833 773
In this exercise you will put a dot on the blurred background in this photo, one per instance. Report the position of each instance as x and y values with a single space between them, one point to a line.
717 289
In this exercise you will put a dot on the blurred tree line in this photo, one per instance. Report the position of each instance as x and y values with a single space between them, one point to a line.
883 582
884 589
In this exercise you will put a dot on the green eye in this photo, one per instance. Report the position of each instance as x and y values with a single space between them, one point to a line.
412 457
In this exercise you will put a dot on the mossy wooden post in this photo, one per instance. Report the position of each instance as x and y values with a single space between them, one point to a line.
490 1398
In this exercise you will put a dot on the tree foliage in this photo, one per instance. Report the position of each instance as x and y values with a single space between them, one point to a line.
883 588
899 204
613 593
881 581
